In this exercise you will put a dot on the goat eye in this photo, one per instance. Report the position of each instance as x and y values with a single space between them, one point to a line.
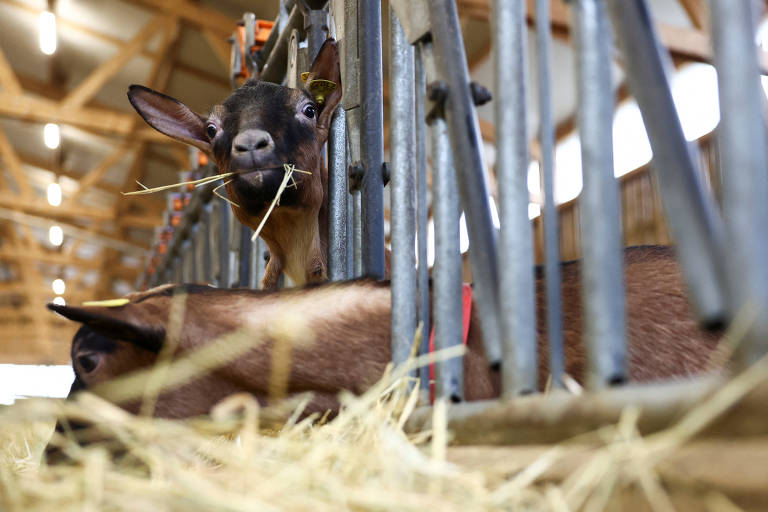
308 110
87 362
211 130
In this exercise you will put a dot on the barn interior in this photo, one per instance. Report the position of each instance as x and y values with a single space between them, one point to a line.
70 143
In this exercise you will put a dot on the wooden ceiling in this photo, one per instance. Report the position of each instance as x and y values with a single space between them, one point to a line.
174 46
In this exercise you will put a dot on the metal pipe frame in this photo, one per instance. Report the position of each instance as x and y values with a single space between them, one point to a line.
422 211
473 190
516 295
550 216
602 263
402 198
337 197
692 214
447 268
372 142
742 137
277 62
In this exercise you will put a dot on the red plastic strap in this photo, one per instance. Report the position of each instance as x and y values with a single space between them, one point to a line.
466 307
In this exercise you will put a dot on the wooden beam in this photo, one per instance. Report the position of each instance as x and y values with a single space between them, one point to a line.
97 173
92 84
221 48
41 207
197 15
7 77
698 12
13 163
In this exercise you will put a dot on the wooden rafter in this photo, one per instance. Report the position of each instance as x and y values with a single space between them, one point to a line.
13 163
97 173
195 14
698 12
8 78
221 48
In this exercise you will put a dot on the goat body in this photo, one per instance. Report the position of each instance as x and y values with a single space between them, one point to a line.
260 127
338 336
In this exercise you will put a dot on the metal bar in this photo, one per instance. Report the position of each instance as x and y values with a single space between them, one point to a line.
274 69
350 236
222 243
204 245
516 296
422 210
244 257
187 261
550 218
358 226
742 137
234 251
691 212
337 197
257 262
372 142
473 190
447 268
316 28
402 208
602 272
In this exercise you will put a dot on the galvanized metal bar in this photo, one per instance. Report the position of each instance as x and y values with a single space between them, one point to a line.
447 267
277 62
473 190
602 267
742 141
551 236
204 245
337 197
316 28
244 257
692 214
516 299
257 263
402 199
213 240
358 226
422 210
350 236
372 142
234 251
222 244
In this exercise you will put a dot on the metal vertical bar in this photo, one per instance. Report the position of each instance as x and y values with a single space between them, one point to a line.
742 138
691 212
402 145
602 272
473 190
372 141
447 268
337 197
358 222
234 251
222 242
257 262
516 299
350 235
244 257
422 209
203 247
551 236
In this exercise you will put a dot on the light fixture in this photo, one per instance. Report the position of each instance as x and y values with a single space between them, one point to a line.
51 135
56 235
59 287
59 301
47 32
54 194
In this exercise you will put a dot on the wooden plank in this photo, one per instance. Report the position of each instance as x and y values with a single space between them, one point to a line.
13 163
92 84
698 12
97 173
195 14
221 48
7 77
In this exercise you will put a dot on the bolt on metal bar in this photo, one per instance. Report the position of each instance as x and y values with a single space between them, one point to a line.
550 216
516 296
473 190
742 136
372 142
602 264
447 268
422 210
337 197
692 215
402 199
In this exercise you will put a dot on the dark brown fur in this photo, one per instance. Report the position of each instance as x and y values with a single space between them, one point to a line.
296 232
345 342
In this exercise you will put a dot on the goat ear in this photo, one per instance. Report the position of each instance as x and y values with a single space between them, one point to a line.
169 116
122 323
326 67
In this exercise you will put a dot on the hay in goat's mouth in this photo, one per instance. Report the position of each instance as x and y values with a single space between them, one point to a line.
287 177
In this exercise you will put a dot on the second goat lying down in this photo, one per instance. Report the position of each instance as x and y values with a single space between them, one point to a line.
336 337
260 127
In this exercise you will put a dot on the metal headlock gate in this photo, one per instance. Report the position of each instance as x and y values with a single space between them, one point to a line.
723 253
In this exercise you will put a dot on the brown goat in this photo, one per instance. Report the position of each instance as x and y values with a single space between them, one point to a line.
260 127
339 336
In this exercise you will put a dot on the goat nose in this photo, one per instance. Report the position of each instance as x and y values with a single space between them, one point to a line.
252 140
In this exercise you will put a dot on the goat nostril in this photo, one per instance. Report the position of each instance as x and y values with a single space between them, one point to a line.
262 144
240 148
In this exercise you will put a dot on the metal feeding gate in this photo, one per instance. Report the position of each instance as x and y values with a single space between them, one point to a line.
722 254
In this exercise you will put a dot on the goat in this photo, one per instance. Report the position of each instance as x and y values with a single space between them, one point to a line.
340 339
256 130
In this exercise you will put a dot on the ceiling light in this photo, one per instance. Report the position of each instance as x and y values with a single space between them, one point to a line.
54 194
47 32
51 135
59 301
56 235
58 286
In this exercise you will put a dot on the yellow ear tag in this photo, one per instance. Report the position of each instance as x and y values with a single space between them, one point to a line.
304 77
111 303
320 89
